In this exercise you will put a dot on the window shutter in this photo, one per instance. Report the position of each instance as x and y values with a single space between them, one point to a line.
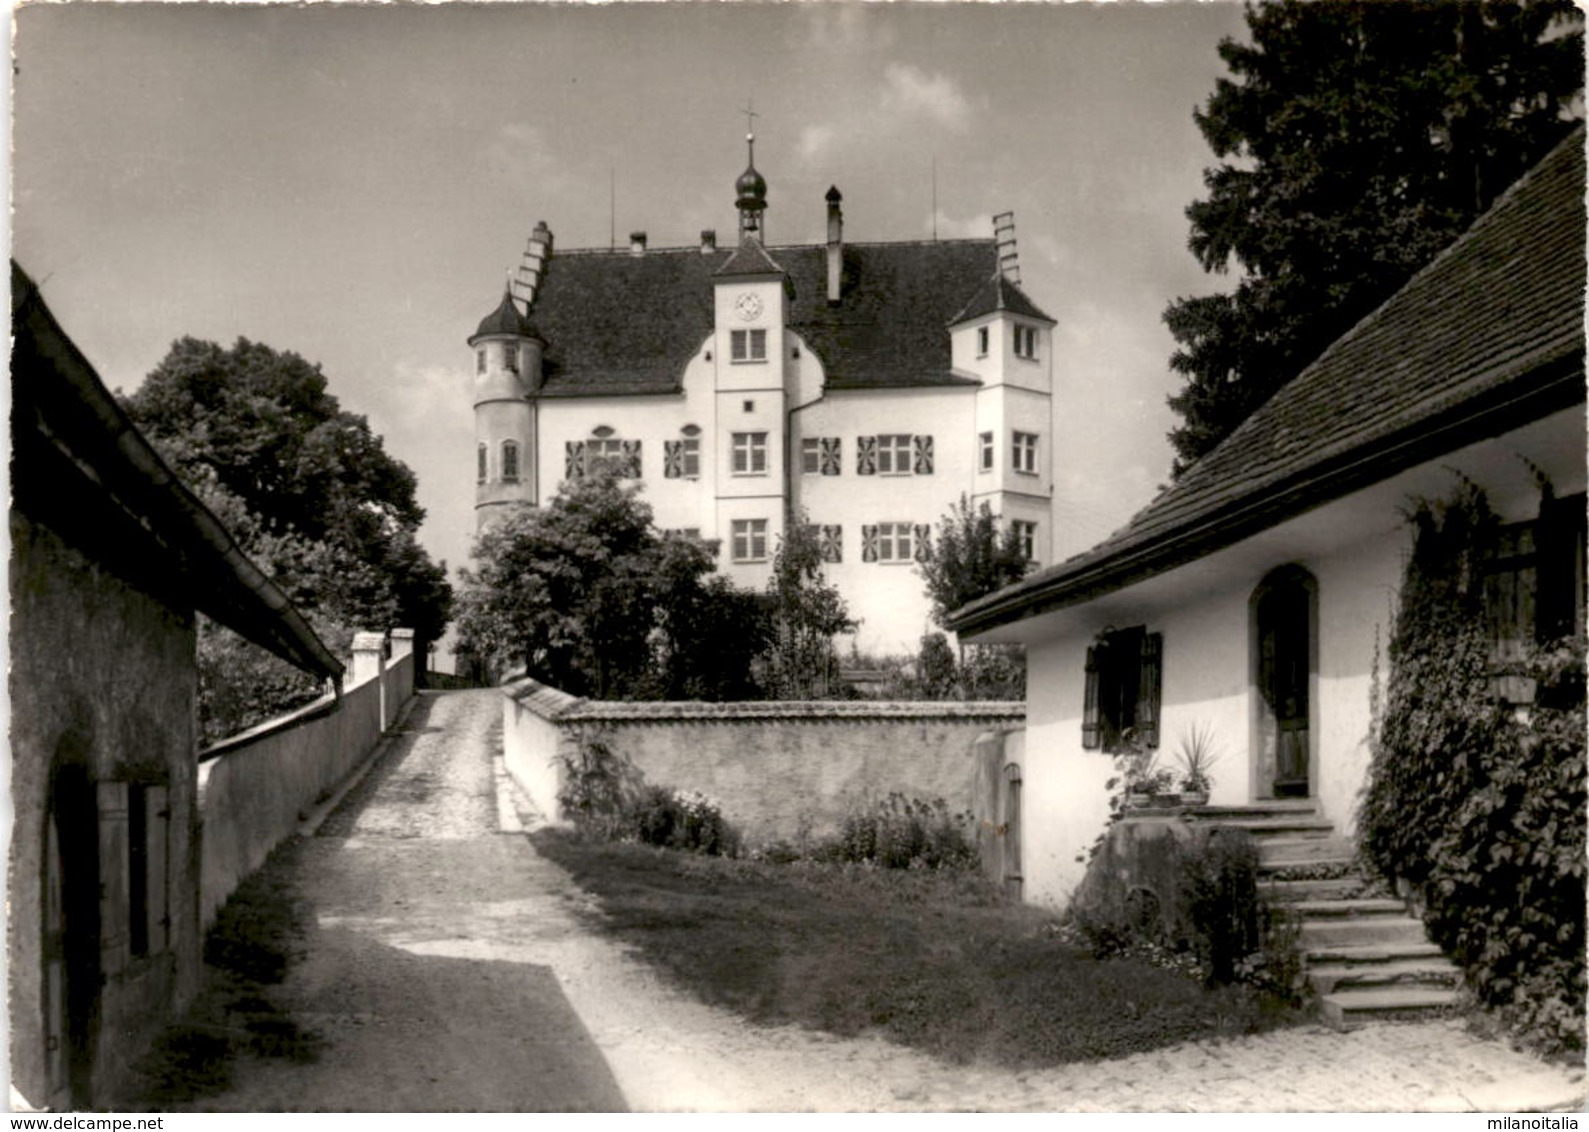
111 799
1089 712
923 547
631 458
672 459
833 544
866 455
923 455
157 826
574 459
831 456
1148 688
869 542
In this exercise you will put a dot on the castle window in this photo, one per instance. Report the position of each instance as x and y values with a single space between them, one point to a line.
986 444
1024 452
1025 538
480 360
622 457
748 345
893 455
750 453
510 358
888 542
480 463
750 540
1026 342
982 341
510 461
681 459
1122 689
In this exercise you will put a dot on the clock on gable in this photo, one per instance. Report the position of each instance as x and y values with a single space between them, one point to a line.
748 307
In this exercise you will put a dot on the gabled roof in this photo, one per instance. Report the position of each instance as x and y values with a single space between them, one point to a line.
1486 338
750 258
999 294
617 323
81 468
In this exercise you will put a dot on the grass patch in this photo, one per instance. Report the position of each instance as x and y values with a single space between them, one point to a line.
938 961
257 936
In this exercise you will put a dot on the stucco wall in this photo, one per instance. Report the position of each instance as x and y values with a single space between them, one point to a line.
102 676
779 770
255 788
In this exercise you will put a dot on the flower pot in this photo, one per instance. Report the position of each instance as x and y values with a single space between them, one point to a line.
1139 800
1194 797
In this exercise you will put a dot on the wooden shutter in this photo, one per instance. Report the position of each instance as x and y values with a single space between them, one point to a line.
866 455
869 542
833 544
1148 685
922 451
157 825
631 459
111 802
672 459
1089 713
574 459
923 544
831 456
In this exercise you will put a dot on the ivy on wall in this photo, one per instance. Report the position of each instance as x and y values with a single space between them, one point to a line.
1476 802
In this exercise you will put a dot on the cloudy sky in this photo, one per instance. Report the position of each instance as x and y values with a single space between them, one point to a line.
353 183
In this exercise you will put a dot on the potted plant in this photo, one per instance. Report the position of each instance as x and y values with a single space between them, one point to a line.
1196 755
1146 781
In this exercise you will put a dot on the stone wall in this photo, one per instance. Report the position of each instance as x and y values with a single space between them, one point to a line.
103 702
778 770
255 788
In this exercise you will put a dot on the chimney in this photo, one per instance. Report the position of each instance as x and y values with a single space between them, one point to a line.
637 243
835 245
1004 238
533 266
708 241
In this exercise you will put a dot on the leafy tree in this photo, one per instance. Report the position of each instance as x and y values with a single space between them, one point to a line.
710 632
806 613
972 557
1357 140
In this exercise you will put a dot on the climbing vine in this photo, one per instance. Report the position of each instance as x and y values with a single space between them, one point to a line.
1476 802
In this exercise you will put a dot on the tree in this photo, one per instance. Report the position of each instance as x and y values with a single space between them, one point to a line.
1359 138
806 613
972 557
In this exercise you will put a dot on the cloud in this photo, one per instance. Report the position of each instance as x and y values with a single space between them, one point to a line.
911 91
815 140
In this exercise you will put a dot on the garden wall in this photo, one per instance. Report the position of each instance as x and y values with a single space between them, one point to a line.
255 788
777 769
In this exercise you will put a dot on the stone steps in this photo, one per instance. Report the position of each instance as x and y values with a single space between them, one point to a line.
1364 958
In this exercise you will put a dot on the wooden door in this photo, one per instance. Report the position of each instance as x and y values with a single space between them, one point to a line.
56 1037
1285 669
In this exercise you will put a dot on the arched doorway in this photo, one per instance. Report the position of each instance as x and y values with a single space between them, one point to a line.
1284 618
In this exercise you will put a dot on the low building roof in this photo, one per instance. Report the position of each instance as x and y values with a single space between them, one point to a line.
81 468
1487 337
618 323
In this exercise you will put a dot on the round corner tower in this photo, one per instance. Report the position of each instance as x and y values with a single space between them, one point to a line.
507 377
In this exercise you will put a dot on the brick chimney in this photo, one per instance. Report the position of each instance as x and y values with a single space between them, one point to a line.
835 245
708 241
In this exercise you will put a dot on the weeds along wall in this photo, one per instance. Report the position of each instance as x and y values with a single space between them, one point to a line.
255 788
778 770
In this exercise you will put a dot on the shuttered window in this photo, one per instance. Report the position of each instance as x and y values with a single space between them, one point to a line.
1123 689
892 454
510 461
832 538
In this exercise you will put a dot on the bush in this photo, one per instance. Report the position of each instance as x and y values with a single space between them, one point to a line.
679 819
1477 806
906 833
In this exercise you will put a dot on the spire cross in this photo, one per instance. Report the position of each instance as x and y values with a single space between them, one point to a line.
750 113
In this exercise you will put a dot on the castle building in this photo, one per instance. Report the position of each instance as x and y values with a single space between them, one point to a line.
866 386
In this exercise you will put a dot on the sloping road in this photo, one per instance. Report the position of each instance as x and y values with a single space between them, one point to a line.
451 969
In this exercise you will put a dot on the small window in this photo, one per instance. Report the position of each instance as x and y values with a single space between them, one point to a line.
510 358
750 453
510 461
1024 452
748 406
480 463
750 540
681 459
986 445
893 454
748 345
1122 689
480 360
1026 342
811 456
692 457
1025 538
982 341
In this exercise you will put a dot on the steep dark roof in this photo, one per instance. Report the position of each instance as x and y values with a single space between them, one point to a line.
1484 339
999 294
621 323
506 319
750 258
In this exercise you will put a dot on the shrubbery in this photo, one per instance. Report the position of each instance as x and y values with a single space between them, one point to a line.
906 833
1475 804
605 796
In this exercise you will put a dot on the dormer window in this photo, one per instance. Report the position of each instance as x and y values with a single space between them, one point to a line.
1026 342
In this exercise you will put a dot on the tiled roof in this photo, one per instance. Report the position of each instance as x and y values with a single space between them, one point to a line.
999 294
621 323
750 258
506 319
1486 337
